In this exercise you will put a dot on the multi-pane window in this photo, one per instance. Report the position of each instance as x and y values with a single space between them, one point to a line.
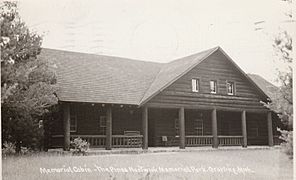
213 87
102 121
73 123
177 126
230 88
198 126
102 124
195 85
255 129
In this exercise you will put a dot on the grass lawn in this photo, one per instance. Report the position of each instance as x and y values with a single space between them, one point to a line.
219 164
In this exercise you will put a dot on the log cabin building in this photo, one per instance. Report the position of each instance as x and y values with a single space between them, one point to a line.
204 99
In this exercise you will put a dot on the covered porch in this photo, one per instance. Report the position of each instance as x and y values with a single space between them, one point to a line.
122 126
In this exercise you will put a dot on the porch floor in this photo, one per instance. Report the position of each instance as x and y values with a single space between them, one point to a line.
103 151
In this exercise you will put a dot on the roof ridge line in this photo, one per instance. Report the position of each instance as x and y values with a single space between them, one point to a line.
150 85
244 74
105 55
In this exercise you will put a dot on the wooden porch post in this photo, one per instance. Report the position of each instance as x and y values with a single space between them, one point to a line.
109 128
66 120
145 127
215 129
182 127
244 129
269 128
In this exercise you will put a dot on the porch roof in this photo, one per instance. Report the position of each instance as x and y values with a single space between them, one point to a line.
105 79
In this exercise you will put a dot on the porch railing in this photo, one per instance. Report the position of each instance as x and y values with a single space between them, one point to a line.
208 140
118 141
93 140
199 140
127 141
230 140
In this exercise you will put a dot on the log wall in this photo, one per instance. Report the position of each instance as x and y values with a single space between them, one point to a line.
216 67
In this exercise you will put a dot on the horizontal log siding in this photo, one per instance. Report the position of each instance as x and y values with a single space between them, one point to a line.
88 119
229 123
218 68
191 115
123 119
257 136
163 121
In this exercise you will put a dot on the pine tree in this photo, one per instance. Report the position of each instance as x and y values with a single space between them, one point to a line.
27 82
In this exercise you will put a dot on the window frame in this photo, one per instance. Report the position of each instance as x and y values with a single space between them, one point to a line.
195 82
101 119
196 128
73 116
233 89
215 86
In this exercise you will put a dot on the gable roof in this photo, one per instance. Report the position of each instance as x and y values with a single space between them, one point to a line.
266 86
176 69
101 79
106 79
172 71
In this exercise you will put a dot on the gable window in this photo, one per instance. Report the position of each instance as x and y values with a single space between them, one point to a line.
195 85
230 88
213 87
73 123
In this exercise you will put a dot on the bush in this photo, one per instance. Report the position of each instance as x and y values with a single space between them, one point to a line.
287 145
80 146
8 148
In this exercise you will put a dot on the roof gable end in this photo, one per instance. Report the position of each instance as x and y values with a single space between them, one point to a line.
161 82
172 71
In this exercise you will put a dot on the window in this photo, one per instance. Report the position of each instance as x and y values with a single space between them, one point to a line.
102 121
255 129
195 85
198 126
230 88
213 87
177 127
102 124
73 123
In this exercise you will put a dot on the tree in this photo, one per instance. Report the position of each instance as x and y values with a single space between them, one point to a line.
28 83
282 101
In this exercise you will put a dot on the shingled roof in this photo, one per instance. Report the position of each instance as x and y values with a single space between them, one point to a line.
105 79
101 79
266 86
173 71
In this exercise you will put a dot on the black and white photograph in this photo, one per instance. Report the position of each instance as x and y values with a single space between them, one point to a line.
147 89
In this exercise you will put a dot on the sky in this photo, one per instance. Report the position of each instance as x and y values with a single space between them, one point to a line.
163 30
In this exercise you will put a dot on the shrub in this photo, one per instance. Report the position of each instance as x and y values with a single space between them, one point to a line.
287 145
8 148
80 146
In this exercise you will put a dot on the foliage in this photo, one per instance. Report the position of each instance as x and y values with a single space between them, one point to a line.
80 146
287 145
27 81
8 148
282 101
